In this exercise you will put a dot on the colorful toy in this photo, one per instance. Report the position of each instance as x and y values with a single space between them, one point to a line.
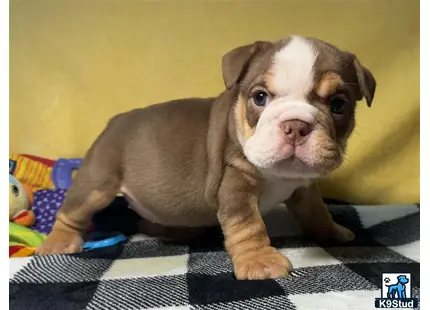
62 172
20 201
32 170
23 241
99 240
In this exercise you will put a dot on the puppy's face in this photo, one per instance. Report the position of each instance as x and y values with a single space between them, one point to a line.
296 103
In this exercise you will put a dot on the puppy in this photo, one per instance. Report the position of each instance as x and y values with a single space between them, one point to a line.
282 122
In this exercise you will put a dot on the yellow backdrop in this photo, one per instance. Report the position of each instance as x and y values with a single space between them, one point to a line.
74 64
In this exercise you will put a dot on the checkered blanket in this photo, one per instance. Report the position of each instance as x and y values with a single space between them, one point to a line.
146 273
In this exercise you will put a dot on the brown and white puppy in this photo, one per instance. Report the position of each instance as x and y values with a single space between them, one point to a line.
282 122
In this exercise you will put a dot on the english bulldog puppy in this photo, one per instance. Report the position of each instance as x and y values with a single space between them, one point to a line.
282 122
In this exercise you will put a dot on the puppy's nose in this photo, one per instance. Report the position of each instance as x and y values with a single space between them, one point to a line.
296 131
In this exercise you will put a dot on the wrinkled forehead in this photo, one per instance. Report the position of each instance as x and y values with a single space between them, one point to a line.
294 66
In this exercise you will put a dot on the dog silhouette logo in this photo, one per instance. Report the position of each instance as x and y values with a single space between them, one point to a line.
396 292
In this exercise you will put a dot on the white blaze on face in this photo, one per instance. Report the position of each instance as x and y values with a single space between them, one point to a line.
293 68
291 78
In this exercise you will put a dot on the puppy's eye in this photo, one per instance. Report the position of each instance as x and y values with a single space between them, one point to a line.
337 105
260 98
15 190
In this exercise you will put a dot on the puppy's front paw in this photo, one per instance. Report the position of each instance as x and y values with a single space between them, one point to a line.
265 263
61 242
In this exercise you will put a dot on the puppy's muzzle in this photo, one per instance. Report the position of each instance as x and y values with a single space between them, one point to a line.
296 131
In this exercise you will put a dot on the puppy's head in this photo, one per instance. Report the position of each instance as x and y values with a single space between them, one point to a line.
296 102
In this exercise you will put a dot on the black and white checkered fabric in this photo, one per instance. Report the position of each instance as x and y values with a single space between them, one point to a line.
146 273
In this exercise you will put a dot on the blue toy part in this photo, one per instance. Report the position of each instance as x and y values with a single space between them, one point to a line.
102 240
62 172
12 166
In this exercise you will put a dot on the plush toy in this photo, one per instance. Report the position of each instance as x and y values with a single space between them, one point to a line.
20 201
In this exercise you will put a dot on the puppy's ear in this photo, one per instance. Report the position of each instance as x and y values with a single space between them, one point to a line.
366 82
236 62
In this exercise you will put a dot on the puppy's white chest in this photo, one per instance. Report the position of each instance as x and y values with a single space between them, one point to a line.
276 191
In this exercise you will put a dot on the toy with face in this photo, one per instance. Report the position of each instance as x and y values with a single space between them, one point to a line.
20 198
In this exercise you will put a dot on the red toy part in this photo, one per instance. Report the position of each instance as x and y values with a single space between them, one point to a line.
44 161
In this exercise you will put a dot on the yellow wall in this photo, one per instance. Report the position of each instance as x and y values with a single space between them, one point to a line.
74 64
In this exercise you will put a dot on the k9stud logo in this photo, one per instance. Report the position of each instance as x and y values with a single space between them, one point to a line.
396 292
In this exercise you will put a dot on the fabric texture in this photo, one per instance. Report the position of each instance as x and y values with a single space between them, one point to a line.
112 57
23 241
146 273
46 204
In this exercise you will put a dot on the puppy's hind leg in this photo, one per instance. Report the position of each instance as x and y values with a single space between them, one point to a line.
96 185
310 211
